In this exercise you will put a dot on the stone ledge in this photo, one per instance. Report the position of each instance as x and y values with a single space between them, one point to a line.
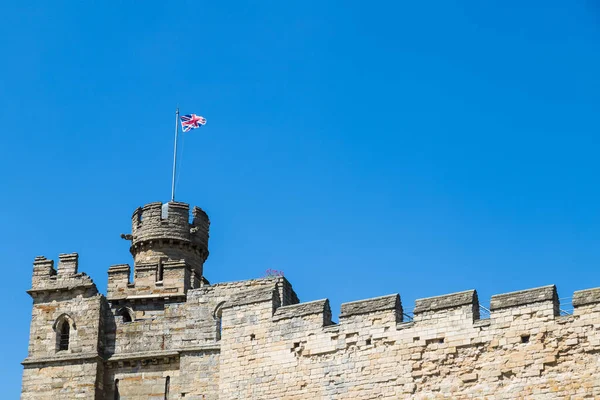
302 309
143 355
524 297
383 303
155 297
63 286
585 297
468 297
62 358
119 268
200 348
146 267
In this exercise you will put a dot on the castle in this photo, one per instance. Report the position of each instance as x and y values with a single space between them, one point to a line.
170 334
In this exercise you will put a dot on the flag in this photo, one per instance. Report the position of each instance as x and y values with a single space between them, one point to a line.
191 121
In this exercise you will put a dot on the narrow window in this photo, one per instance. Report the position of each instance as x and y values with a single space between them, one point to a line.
164 211
219 322
117 396
167 384
63 336
161 272
218 316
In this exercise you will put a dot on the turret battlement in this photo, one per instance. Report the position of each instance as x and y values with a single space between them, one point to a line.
170 222
169 247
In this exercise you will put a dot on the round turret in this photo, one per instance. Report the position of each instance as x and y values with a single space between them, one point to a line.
165 231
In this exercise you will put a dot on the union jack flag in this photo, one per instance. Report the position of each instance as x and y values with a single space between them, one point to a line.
191 121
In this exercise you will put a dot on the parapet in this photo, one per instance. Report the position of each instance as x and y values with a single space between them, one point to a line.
47 279
543 297
118 281
257 295
465 304
452 300
586 297
68 263
390 303
317 308
170 222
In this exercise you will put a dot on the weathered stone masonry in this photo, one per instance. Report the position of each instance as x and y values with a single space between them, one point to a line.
171 334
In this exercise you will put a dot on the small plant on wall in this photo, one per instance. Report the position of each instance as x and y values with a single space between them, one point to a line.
273 273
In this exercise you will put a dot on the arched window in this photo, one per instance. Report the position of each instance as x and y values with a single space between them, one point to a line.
126 314
167 384
63 340
218 315
63 328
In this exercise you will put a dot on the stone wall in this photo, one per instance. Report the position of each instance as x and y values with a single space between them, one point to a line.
72 379
524 350
254 340
179 340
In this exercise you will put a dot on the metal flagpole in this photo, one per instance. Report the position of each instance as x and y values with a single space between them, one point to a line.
175 154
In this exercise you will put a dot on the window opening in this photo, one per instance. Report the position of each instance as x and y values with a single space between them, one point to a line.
63 336
164 211
117 396
125 314
167 384
218 315
219 326
161 272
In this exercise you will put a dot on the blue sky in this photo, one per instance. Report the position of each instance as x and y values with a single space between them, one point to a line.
362 148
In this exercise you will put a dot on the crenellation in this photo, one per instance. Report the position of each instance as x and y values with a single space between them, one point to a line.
256 295
586 297
118 281
42 270
319 309
525 297
68 263
172 334
454 308
377 304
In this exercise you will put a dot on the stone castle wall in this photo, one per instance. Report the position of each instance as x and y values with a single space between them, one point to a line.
181 338
524 350
254 340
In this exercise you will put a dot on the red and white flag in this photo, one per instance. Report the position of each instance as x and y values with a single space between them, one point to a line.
192 121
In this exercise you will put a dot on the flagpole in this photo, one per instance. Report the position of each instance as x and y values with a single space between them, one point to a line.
175 155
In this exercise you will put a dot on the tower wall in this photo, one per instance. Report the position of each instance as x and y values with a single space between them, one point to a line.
63 297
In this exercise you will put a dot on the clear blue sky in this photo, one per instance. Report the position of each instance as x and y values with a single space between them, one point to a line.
364 148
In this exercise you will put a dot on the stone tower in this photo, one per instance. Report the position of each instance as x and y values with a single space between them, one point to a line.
168 250
65 339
